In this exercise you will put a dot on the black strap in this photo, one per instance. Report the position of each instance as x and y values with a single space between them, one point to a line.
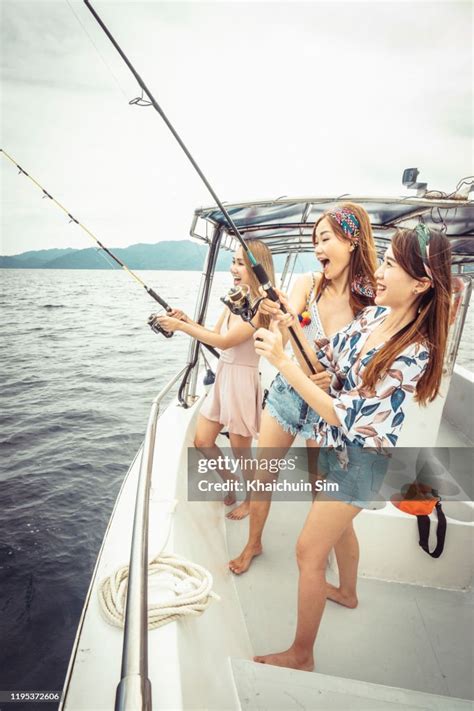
210 377
424 531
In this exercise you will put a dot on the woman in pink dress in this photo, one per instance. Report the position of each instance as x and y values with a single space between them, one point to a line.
235 400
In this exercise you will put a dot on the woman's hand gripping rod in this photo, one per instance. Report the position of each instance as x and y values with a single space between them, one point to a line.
154 325
267 286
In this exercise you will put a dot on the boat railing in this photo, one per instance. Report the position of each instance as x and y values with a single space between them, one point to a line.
462 289
134 689
188 388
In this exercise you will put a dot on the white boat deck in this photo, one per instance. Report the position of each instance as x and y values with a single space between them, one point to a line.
451 436
409 636
268 688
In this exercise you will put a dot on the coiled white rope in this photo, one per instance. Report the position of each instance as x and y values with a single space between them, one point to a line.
188 591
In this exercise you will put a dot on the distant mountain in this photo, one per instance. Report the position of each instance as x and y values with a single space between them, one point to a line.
33 259
181 255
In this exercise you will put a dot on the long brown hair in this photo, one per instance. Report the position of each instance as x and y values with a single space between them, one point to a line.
430 327
363 261
263 255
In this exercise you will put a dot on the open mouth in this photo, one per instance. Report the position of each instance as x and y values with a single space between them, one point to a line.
237 280
325 263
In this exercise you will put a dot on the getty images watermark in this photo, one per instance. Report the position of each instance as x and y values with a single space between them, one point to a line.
287 477
364 476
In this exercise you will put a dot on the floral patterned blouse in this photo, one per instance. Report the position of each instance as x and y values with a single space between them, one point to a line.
367 418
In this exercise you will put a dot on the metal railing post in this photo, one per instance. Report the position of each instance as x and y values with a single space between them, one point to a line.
207 279
134 690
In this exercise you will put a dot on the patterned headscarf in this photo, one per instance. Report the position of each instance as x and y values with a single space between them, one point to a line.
350 225
362 285
348 222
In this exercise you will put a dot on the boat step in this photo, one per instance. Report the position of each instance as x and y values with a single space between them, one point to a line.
262 687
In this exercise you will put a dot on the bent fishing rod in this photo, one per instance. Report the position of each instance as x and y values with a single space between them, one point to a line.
155 327
257 268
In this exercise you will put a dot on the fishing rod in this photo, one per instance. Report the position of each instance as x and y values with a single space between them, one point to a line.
154 325
257 268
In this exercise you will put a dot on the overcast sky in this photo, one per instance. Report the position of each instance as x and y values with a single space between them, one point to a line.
272 99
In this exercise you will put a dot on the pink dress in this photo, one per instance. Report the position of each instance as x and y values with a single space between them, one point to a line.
235 399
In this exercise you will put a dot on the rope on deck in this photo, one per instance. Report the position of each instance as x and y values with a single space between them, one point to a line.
189 586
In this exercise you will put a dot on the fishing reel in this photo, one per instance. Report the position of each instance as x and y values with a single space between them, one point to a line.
155 326
238 302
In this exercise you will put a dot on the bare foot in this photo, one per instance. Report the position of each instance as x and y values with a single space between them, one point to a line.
240 511
242 563
230 499
287 659
335 594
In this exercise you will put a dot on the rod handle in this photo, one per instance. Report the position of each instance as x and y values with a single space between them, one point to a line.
155 296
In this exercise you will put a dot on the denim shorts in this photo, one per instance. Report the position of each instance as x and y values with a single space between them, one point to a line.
291 412
360 483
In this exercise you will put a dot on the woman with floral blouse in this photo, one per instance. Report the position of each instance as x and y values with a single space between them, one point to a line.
392 352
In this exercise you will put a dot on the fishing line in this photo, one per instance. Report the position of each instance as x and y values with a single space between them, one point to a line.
103 256
96 48
257 268
107 251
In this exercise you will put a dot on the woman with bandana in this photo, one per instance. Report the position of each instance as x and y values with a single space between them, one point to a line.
326 302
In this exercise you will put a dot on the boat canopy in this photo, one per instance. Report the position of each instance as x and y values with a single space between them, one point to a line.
286 224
